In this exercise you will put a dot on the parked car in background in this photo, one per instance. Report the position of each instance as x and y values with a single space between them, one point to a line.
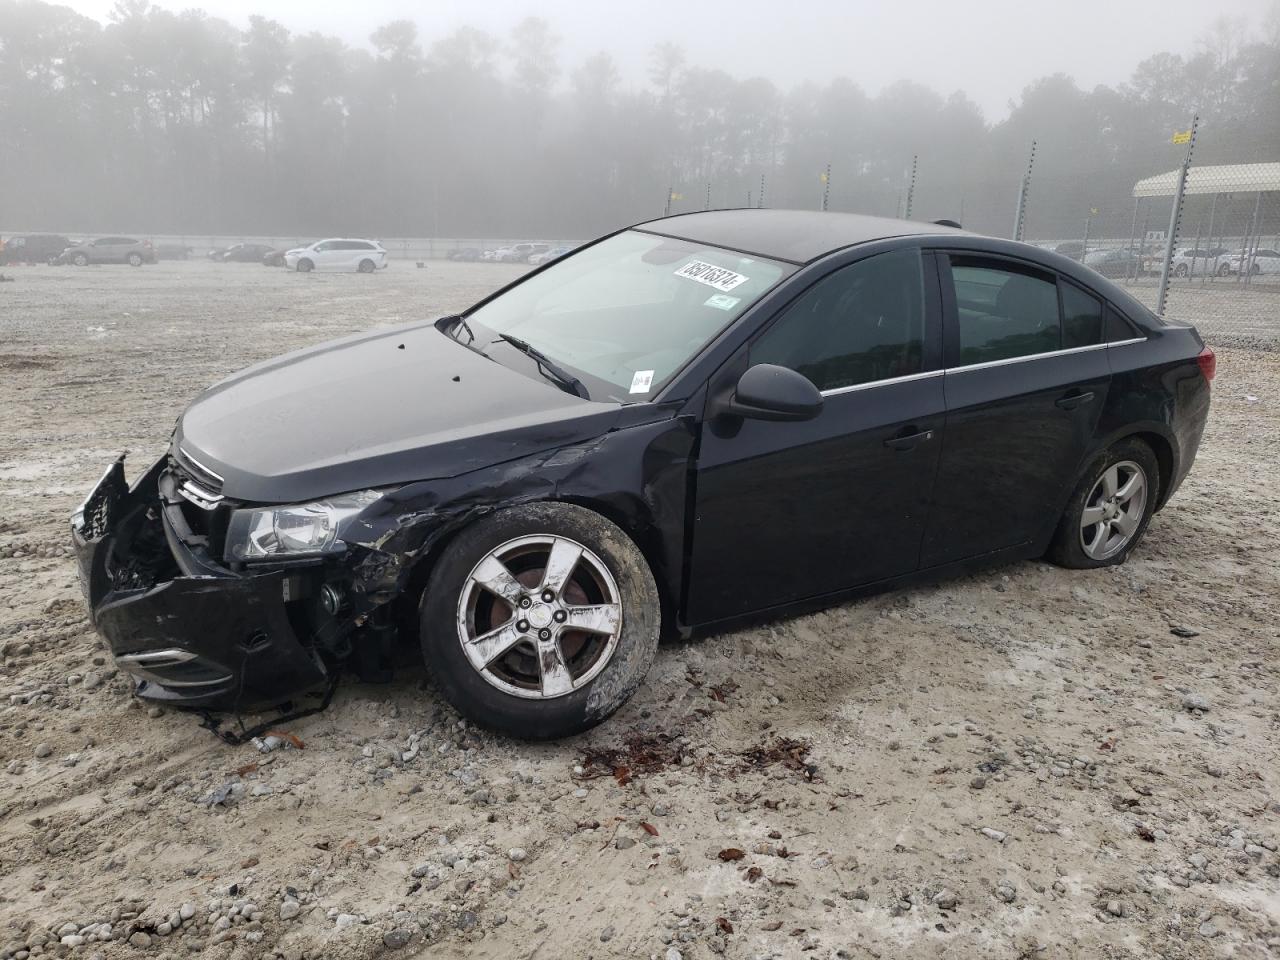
466 254
1073 249
657 434
244 253
517 252
1254 262
546 256
1117 263
173 251
110 250
338 254
1196 261
33 248
274 257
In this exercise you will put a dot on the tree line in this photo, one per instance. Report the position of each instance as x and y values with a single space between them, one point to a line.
181 123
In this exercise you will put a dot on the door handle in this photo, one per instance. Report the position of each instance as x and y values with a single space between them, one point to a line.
1075 399
908 441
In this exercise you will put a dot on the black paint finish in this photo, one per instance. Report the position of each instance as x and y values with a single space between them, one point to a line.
739 517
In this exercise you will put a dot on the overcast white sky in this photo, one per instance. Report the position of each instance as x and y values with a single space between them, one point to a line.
989 48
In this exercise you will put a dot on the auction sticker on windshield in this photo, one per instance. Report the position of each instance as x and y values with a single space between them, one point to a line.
711 275
642 381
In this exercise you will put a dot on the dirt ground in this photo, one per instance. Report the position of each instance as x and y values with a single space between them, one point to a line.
1028 762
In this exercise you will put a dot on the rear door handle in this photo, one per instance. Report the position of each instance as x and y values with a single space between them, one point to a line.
908 441
1075 399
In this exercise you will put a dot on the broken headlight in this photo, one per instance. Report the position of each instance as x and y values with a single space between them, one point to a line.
297 530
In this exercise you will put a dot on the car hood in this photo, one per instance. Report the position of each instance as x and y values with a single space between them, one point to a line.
373 410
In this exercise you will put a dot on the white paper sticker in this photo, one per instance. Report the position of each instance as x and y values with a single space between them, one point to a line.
711 275
721 302
641 381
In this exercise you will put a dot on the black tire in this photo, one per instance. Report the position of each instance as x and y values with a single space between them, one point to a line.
1224 270
366 266
135 259
1067 548
305 266
1180 270
478 698
80 260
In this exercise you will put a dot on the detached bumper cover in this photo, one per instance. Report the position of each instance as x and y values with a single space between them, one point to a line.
189 632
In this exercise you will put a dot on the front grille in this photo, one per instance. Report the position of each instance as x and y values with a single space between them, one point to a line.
198 484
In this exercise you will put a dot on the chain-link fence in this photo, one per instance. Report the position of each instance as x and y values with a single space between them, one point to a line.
1196 241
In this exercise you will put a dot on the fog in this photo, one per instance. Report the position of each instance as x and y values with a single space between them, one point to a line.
467 119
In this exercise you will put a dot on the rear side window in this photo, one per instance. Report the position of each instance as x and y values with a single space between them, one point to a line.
1119 328
859 324
1081 317
1003 310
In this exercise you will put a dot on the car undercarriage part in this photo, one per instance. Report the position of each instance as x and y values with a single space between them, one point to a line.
211 722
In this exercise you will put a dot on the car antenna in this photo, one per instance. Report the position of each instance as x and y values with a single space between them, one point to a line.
949 223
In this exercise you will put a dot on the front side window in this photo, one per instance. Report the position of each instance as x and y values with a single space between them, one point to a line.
1004 311
626 313
861 323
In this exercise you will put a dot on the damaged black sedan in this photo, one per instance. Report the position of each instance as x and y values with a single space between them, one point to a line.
684 424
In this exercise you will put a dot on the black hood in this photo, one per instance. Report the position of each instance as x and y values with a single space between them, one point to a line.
376 410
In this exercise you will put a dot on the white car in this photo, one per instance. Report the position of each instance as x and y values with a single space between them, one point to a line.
1253 261
518 252
1197 262
339 255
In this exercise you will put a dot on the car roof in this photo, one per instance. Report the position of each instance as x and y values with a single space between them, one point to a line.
796 236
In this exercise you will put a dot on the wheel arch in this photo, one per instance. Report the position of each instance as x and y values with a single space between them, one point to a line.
634 520
1162 444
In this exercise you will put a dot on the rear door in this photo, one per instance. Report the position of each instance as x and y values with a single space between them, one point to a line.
1026 379
790 511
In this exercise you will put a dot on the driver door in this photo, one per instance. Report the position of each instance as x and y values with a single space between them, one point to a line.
788 511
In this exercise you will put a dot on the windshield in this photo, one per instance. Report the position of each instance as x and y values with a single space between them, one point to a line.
628 312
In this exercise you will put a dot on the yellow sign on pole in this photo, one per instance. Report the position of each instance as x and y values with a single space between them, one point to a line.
1181 136
676 196
823 177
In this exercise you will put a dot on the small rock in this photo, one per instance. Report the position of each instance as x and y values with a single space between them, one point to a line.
673 954
1185 632
624 843
187 911
1195 701
977 783
517 854
1115 908
467 920
945 900
344 920
290 909
397 938
997 835
606 934
140 939
43 750
1208 930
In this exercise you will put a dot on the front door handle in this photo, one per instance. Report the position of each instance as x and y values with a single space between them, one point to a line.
908 438
1076 398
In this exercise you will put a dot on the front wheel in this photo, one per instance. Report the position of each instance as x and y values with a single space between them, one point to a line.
305 266
80 260
540 621
1110 508
1224 270
135 260
1180 270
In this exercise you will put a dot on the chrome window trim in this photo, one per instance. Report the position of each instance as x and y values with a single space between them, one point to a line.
834 391
927 374
988 364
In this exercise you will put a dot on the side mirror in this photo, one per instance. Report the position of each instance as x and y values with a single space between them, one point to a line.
769 392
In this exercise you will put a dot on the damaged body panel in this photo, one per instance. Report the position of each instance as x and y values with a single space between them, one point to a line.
683 425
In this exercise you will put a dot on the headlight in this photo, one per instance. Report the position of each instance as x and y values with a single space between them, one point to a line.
298 530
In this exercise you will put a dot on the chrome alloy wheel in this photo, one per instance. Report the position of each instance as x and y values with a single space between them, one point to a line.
539 617
1113 510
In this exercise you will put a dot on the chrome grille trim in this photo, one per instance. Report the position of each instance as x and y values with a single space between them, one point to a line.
208 478
192 492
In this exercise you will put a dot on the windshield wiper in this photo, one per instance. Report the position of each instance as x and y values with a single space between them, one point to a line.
550 369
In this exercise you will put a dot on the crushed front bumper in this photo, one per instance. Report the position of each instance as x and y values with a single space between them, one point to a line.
188 630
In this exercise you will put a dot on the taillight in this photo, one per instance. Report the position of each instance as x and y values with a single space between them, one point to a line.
1208 364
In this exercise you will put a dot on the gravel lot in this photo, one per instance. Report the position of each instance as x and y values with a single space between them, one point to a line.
1026 763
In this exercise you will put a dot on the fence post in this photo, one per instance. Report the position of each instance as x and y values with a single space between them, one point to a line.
762 191
826 187
1019 216
911 190
1174 217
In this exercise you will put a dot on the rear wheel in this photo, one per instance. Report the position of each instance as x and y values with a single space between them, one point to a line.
80 260
305 266
1180 270
135 259
1110 508
1224 270
540 621
366 266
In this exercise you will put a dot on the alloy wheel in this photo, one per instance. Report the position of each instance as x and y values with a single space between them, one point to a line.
539 617
1113 511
